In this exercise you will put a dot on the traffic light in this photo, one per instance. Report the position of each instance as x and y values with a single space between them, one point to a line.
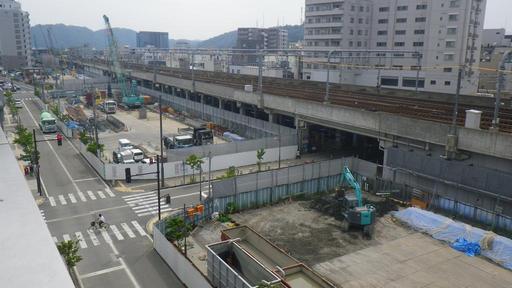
128 175
59 139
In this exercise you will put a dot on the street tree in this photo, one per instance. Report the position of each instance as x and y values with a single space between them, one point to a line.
69 251
24 139
259 155
194 162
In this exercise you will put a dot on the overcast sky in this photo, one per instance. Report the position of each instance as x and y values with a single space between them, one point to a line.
195 19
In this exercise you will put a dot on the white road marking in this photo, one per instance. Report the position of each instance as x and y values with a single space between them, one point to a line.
66 237
42 214
106 236
91 195
52 201
128 230
82 196
62 200
156 211
144 208
136 195
93 237
138 228
81 240
55 239
87 179
110 193
118 234
104 271
102 195
72 197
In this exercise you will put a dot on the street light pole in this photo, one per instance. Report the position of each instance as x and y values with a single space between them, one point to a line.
36 160
161 129
158 186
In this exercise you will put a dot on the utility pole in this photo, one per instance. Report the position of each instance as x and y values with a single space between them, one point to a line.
200 183
36 160
260 77
161 129
418 65
209 174
158 186
94 116
499 88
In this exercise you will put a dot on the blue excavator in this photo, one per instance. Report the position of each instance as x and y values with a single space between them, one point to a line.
355 213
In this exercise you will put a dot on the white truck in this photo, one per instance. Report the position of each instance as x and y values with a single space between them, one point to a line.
129 156
124 144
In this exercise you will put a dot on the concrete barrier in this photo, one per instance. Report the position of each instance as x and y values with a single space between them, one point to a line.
180 265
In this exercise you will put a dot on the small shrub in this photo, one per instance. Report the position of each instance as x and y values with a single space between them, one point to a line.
231 208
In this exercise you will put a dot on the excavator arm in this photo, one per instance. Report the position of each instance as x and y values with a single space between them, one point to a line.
349 178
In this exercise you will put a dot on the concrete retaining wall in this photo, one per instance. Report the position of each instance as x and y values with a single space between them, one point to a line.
180 265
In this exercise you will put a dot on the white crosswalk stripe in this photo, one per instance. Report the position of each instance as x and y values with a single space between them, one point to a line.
66 237
42 215
144 204
138 228
110 193
62 200
82 196
118 234
81 240
91 195
128 230
93 237
109 235
72 198
102 195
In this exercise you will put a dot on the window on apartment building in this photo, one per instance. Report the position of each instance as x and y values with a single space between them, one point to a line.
398 67
450 44
361 8
389 81
401 20
382 44
352 8
384 9
449 57
398 55
360 32
411 82
399 44
382 32
335 43
336 31
365 32
417 44
352 20
380 54
351 31
433 82
383 21
337 19
447 83
455 4
402 8
451 31
337 5
351 43
419 32
447 69
453 17
400 32
360 20
359 43
421 7
421 19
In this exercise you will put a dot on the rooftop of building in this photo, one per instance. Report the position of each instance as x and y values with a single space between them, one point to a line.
29 256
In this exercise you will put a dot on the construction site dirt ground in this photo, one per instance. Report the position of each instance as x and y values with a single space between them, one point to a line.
396 256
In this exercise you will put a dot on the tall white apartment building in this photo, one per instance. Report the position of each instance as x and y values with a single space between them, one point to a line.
15 39
380 40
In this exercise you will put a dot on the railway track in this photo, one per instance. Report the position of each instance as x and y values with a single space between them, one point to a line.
430 110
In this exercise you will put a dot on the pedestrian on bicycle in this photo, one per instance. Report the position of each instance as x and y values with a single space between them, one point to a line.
100 220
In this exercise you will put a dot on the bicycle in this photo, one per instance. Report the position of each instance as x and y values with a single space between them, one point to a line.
95 225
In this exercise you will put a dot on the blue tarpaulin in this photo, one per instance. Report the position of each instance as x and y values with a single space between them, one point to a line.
494 247
469 248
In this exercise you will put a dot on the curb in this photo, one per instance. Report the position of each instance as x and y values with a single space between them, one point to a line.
152 221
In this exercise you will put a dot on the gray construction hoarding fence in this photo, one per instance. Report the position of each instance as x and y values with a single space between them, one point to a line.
263 188
243 125
234 147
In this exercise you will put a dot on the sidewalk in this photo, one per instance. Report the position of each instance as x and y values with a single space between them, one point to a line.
146 185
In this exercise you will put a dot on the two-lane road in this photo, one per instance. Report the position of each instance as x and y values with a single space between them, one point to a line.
122 256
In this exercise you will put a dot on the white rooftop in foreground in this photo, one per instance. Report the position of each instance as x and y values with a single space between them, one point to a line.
28 255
